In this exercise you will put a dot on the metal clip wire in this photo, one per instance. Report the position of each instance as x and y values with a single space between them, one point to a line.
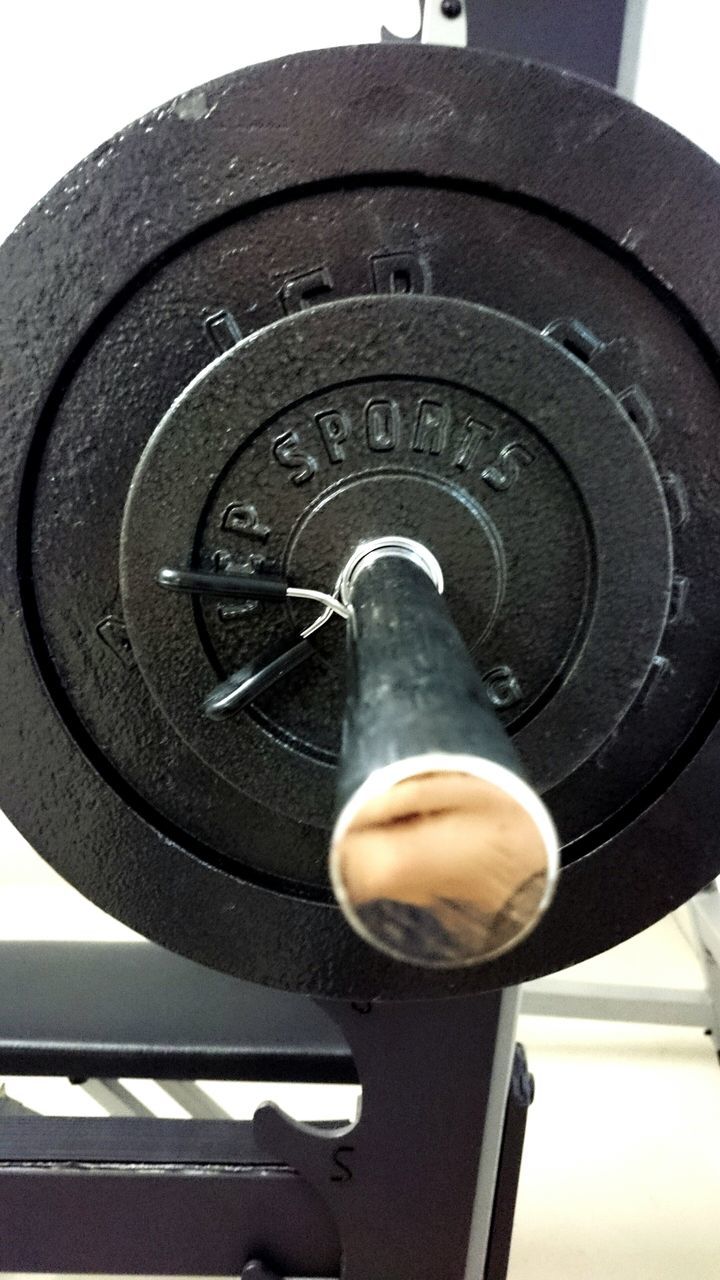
268 667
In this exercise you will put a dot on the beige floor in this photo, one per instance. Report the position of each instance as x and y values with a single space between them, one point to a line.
621 1176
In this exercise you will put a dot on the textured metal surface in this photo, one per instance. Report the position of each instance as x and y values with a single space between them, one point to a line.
328 175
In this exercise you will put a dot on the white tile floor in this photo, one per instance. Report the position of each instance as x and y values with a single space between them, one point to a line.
621 1175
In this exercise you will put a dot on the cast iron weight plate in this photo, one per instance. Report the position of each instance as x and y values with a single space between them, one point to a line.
440 421
334 174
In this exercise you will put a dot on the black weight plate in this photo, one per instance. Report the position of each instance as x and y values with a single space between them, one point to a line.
339 173
282 422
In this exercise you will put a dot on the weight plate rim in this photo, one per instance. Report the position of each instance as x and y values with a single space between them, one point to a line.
40 351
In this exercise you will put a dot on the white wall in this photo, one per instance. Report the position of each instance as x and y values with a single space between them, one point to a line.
73 72
679 69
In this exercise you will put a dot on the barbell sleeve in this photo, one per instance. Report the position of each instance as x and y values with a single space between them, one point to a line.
442 854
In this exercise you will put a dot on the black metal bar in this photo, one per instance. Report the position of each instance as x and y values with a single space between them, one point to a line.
411 865
35 1139
402 1183
145 1012
189 1220
520 1097
584 36
127 1140
153 1196
412 686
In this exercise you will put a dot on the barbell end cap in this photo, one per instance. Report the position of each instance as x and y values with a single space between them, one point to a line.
444 861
